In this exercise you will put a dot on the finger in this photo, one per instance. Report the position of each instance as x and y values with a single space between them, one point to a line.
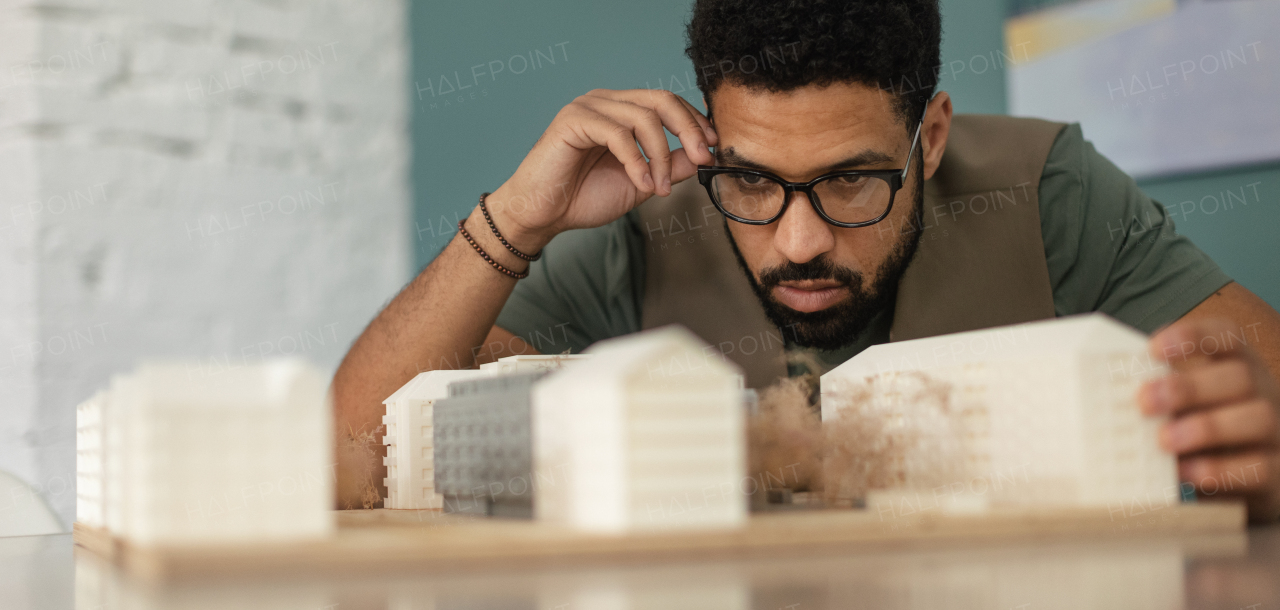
662 98
1186 342
678 116
682 168
1242 424
1211 383
693 135
646 125
1233 474
707 128
600 130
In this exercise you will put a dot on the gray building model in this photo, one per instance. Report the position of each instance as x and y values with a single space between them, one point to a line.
483 446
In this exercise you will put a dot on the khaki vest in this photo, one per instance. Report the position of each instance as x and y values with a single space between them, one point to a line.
980 261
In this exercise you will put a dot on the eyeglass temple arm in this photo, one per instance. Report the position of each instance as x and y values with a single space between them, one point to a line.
915 140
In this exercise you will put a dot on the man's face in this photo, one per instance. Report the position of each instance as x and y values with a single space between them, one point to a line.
823 282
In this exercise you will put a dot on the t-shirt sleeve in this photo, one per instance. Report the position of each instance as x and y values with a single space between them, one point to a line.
1112 249
585 288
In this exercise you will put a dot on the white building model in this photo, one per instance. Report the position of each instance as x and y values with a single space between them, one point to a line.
410 460
1043 413
647 435
89 446
189 457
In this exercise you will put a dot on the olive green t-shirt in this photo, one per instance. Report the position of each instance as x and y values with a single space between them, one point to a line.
1109 248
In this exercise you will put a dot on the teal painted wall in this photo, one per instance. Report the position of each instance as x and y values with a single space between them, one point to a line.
973 54
1234 216
468 140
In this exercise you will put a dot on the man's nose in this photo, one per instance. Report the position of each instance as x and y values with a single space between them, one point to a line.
802 234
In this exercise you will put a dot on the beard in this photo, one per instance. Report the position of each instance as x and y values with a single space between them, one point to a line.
839 325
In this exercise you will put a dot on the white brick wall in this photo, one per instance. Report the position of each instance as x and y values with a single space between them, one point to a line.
218 179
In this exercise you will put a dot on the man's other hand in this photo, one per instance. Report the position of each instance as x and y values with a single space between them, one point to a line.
1224 407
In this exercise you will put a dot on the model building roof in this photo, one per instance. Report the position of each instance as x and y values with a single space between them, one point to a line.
673 350
432 384
1081 334
527 363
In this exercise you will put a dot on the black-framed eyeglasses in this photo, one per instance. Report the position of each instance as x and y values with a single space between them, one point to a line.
846 198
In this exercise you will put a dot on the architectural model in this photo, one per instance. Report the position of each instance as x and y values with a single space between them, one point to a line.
1034 414
189 457
647 435
410 459
483 446
89 444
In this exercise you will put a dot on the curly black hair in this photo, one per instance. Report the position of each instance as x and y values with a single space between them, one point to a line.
780 45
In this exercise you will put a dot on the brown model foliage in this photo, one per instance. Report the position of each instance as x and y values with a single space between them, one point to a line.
893 430
359 455
785 436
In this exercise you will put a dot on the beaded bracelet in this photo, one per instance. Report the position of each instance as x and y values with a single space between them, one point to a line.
484 210
485 255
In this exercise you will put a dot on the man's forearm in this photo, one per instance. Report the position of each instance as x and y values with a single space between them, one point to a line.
585 171
434 323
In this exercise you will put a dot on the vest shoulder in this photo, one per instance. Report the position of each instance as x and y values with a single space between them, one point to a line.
988 152
996 122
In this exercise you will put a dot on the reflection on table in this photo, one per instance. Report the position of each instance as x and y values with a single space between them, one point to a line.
1206 572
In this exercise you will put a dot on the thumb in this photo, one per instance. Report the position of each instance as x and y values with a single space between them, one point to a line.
681 167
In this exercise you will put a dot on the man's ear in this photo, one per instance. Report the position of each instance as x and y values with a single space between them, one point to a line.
933 136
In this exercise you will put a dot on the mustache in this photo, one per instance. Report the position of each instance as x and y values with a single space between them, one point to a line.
819 268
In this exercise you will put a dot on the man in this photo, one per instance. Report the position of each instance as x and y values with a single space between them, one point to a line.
859 211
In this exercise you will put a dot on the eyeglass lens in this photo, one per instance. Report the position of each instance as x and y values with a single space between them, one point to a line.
848 199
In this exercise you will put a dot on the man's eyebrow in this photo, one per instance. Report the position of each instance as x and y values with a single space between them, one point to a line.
730 157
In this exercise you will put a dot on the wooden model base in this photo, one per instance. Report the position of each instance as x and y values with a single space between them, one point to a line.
400 540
